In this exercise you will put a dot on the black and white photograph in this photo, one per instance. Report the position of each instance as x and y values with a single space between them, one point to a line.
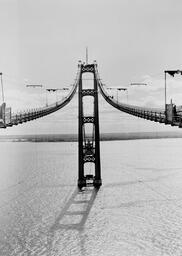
90 128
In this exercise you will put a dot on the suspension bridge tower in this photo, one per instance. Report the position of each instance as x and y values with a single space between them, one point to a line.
89 146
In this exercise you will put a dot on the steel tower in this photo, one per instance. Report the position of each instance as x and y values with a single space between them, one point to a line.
89 146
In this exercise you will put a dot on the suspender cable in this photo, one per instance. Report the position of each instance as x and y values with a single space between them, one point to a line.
2 88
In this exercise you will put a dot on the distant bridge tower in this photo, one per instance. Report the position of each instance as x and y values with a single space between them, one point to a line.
89 146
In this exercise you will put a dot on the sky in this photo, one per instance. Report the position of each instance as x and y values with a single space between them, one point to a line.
132 41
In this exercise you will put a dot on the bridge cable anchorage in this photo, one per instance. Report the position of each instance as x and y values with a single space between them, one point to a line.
88 145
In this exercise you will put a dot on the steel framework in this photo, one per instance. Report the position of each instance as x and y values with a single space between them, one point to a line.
89 147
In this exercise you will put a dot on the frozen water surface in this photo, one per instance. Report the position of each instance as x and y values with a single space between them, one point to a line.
137 211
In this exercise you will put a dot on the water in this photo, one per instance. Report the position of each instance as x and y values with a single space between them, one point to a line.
137 211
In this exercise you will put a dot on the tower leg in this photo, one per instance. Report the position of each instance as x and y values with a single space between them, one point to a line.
81 179
97 180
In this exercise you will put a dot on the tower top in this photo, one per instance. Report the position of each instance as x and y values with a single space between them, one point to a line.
86 55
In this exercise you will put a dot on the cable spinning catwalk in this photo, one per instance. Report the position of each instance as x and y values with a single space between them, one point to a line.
25 116
168 116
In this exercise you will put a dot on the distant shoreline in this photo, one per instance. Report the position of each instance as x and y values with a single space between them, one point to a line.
74 137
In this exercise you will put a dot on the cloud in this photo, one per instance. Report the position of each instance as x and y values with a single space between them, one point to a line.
153 94
150 96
